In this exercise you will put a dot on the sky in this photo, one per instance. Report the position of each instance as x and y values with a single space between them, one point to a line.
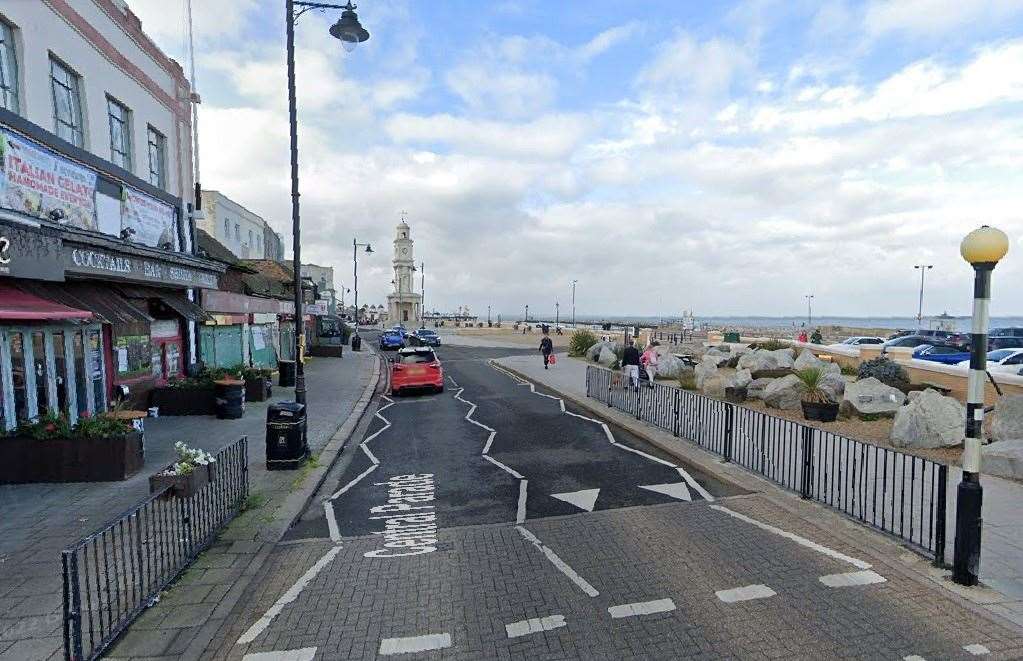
722 157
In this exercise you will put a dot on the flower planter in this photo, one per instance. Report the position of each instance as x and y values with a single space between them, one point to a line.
182 486
326 351
257 389
24 460
184 401
826 412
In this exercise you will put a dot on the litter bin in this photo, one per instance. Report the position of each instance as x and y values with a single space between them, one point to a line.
230 396
286 373
356 343
286 443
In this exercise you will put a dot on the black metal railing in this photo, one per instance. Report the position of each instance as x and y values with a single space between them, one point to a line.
114 574
899 493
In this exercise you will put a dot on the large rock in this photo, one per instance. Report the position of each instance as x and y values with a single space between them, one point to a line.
784 393
834 385
607 357
759 360
1004 459
741 379
871 397
784 357
930 421
714 386
594 351
756 387
1007 419
720 359
807 360
704 370
669 366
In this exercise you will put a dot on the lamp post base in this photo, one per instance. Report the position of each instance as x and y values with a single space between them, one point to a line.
300 387
970 498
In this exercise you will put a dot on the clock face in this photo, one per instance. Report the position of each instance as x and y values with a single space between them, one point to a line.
404 251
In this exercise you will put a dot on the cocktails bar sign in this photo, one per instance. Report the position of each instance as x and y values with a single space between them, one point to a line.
87 260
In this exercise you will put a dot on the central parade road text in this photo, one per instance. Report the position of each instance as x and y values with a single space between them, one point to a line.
410 526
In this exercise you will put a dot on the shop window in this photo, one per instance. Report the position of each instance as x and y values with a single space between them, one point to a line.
95 359
81 375
39 365
17 342
8 71
132 356
119 120
172 358
157 158
67 103
60 371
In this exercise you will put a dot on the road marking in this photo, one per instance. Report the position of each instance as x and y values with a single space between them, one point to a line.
913 657
641 608
288 597
433 641
490 440
976 649
677 490
369 454
328 511
513 473
802 541
534 625
562 566
343 490
304 654
453 382
695 485
520 513
584 500
745 593
866 577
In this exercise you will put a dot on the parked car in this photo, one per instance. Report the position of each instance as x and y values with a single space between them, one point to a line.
858 340
912 341
1002 360
1012 331
391 339
416 367
900 333
401 330
995 342
946 354
427 337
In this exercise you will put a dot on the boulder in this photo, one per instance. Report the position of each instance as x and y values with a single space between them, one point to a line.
808 360
1004 459
784 393
775 373
756 361
704 370
1007 419
719 359
607 357
723 348
741 379
669 366
733 362
871 397
756 387
931 420
784 357
834 385
714 386
594 351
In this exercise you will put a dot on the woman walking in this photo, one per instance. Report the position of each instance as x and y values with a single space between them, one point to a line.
546 348
649 361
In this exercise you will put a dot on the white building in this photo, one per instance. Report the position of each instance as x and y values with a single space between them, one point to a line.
84 70
404 305
241 231
323 278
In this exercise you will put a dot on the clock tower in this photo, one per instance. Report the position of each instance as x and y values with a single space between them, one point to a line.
404 304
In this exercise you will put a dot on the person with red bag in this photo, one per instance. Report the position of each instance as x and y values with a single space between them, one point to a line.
546 348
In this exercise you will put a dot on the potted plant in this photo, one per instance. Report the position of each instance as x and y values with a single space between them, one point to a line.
257 383
188 475
816 401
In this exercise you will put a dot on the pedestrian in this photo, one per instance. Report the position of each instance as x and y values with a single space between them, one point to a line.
630 365
649 360
802 336
546 348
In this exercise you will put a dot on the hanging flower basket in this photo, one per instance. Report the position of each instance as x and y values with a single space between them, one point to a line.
187 476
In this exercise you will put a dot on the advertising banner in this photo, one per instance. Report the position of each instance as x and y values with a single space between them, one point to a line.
152 220
35 181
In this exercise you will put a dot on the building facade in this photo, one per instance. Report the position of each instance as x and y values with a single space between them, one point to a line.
323 278
246 234
97 266
403 304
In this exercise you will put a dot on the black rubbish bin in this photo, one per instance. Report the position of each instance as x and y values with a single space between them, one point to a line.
286 373
356 343
286 443
230 396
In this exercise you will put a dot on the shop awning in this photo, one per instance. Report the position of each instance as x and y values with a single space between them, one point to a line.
173 300
18 304
104 302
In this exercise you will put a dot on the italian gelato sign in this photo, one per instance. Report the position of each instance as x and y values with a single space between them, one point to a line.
35 181
152 220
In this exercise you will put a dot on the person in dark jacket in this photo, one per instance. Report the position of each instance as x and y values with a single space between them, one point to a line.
630 365
546 348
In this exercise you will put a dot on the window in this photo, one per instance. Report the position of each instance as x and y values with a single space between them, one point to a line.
67 103
157 158
259 246
227 229
60 372
18 379
417 358
132 356
237 232
119 118
81 378
8 69
250 238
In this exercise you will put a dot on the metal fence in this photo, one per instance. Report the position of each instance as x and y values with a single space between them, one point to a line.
898 493
675 337
114 574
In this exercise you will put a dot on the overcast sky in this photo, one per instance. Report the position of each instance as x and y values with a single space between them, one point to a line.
722 157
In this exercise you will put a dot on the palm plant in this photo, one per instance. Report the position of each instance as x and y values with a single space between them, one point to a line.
810 381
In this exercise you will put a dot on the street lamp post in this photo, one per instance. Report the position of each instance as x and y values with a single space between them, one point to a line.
527 314
809 310
351 34
355 268
422 286
982 248
573 302
920 310
488 316
557 314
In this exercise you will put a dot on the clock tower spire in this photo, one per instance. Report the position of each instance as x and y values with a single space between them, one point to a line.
404 304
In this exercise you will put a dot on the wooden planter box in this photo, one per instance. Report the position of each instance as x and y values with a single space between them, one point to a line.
326 351
184 401
257 389
24 460
182 486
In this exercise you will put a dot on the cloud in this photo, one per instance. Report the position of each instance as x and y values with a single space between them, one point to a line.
935 17
700 69
606 40
510 92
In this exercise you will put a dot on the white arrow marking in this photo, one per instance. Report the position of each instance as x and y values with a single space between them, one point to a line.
584 500
677 490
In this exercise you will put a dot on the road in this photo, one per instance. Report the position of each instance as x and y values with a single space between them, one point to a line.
496 521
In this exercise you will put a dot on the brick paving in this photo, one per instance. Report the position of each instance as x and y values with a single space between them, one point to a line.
39 520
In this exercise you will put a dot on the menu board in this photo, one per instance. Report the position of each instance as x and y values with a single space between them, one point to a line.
151 219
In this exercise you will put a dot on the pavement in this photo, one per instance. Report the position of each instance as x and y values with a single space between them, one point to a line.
504 520
39 520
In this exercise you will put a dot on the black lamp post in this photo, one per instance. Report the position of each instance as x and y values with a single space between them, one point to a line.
920 310
573 302
355 261
982 248
351 34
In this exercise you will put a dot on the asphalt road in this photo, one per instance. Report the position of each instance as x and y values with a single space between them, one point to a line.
496 521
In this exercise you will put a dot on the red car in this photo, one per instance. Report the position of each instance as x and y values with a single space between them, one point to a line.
416 367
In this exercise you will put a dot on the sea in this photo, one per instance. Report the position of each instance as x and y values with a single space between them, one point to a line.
895 323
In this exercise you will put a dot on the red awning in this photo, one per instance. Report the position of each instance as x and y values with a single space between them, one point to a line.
16 304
